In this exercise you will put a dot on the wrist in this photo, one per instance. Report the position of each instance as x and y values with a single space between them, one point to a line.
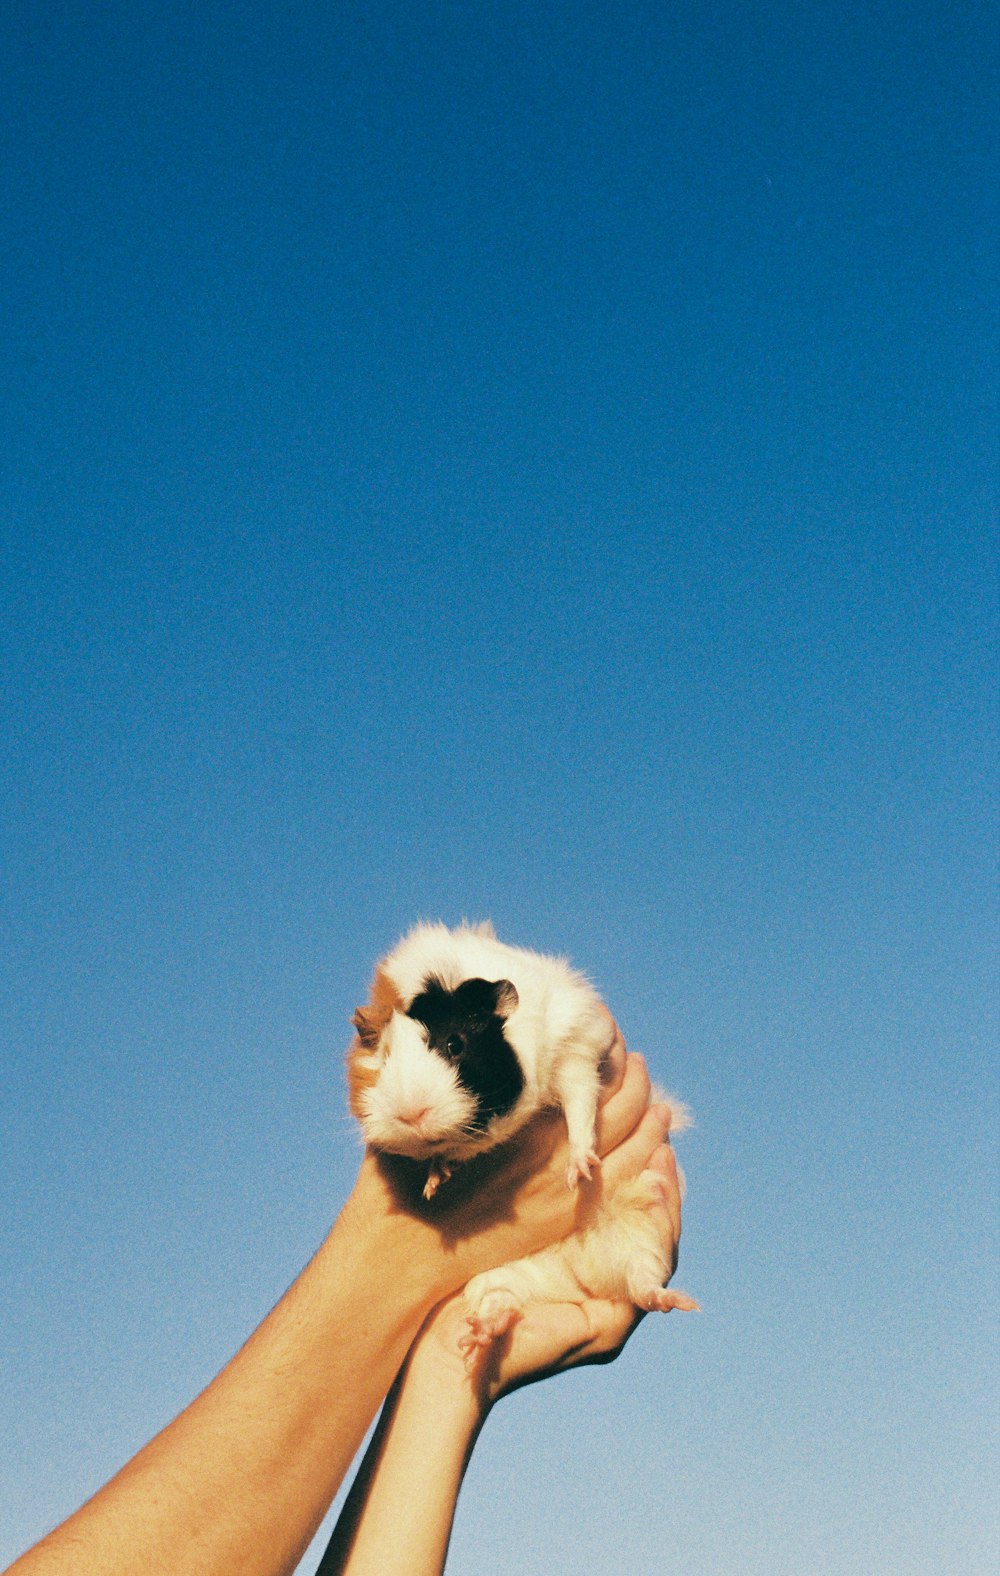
400 1250
436 1368
436 1383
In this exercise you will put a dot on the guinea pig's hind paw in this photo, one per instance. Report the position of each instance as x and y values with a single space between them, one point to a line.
663 1300
580 1166
471 1347
483 1331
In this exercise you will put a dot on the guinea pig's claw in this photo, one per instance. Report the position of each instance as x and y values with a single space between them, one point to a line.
437 1173
483 1330
470 1347
580 1166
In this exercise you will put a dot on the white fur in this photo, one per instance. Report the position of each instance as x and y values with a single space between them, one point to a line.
559 1031
620 1257
412 1079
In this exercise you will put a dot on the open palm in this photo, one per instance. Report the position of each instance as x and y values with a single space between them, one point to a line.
551 1336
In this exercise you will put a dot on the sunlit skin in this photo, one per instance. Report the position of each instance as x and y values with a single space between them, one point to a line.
401 1507
241 1479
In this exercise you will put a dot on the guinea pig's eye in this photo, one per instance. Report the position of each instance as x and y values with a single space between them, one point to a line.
454 1045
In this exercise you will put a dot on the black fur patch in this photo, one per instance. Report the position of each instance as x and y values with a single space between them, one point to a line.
465 1027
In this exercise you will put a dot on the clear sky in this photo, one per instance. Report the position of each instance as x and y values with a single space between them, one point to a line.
533 461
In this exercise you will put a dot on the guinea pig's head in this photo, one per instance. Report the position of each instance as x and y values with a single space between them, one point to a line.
445 1070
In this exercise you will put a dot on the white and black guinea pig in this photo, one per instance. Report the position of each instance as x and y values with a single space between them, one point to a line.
465 1039
462 1041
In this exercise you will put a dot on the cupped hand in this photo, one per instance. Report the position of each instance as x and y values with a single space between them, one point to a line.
552 1336
514 1199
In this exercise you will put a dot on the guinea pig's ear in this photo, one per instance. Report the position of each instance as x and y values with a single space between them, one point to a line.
369 1025
506 998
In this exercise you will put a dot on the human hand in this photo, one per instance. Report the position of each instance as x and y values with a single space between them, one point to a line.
549 1337
399 1512
514 1199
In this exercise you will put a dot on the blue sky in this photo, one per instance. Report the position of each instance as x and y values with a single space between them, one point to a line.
536 462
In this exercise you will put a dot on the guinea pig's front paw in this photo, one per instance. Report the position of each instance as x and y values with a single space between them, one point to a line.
580 1166
437 1172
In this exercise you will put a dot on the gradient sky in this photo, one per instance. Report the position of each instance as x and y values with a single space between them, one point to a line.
535 461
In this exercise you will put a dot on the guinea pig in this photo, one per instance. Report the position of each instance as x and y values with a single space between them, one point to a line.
465 1039
462 1041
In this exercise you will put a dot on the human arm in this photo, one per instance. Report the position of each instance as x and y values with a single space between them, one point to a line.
398 1515
241 1479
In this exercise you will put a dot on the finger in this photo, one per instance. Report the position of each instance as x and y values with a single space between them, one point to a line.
663 1163
665 1211
609 1325
612 1324
612 1061
623 1111
637 1147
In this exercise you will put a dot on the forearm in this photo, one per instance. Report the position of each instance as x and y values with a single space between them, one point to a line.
242 1478
399 1513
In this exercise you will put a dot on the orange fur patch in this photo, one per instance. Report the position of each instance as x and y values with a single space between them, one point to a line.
370 1020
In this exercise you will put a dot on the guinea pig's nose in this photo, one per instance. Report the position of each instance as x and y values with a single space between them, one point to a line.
416 1116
